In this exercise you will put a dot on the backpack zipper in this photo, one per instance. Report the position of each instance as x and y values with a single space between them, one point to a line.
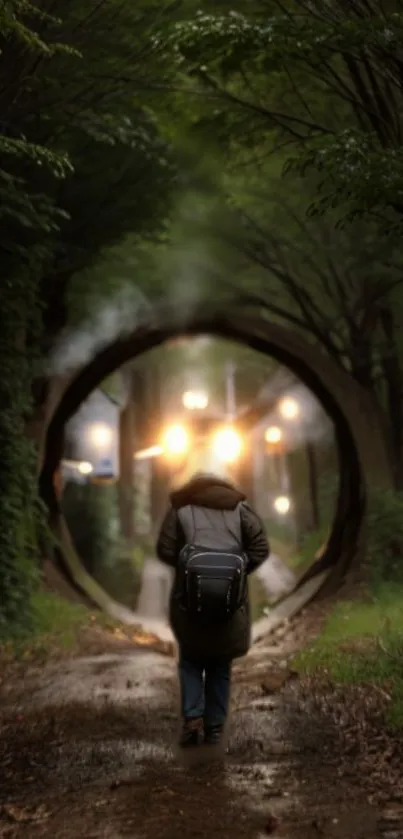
195 556
221 568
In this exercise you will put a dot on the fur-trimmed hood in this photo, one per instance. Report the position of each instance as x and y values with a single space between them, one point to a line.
205 490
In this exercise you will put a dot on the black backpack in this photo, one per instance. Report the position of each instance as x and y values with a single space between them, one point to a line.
212 567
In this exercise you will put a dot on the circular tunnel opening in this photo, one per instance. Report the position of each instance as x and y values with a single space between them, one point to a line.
263 337
216 406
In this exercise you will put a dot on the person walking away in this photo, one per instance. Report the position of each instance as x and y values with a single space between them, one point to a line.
214 541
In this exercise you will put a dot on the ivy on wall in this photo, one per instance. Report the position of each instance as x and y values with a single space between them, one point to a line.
19 509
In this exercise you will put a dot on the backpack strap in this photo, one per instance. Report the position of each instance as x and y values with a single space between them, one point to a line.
229 519
187 519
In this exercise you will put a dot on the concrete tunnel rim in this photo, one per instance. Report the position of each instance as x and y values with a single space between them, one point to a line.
250 330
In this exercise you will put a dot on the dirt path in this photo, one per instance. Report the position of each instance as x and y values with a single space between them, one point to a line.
87 748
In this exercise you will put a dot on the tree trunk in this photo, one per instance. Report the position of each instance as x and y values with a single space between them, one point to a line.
134 431
244 475
297 469
127 446
160 472
159 493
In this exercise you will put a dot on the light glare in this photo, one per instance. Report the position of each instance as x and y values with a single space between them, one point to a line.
227 445
100 435
145 454
176 440
273 434
194 400
289 408
85 468
282 505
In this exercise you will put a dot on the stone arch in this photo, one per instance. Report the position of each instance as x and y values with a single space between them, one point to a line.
363 459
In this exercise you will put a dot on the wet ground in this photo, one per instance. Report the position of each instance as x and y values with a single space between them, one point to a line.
87 748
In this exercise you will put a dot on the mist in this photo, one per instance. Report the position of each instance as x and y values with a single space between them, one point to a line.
278 384
118 317
312 423
181 273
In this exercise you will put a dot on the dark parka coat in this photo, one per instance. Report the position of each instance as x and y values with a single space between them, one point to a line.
233 638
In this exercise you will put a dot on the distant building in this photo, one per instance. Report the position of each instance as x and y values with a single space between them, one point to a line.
92 436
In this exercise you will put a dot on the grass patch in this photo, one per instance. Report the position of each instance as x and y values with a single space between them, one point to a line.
258 597
362 643
312 543
285 550
56 627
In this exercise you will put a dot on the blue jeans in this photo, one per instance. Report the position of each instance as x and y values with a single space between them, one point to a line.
206 697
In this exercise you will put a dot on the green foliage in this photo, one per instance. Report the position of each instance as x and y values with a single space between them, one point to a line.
82 162
89 510
362 643
258 597
328 491
121 575
385 538
315 76
91 514
92 141
22 207
18 500
358 174
295 106
312 544
21 20
57 619
90 164
56 627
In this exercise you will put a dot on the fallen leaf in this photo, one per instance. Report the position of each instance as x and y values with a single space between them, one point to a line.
19 814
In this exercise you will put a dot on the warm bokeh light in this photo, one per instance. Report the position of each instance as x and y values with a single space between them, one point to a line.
273 434
227 445
195 400
85 468
289 408
282 505
175 440
146 454
100 435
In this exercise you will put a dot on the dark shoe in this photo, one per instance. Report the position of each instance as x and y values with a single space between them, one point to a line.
192 733
213 735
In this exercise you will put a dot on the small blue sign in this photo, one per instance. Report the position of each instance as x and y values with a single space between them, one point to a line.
104 467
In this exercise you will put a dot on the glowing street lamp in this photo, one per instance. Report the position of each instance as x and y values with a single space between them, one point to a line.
273 435
100 435
289 408
81 466
175 440
282 505
85 468
195 400
227 445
